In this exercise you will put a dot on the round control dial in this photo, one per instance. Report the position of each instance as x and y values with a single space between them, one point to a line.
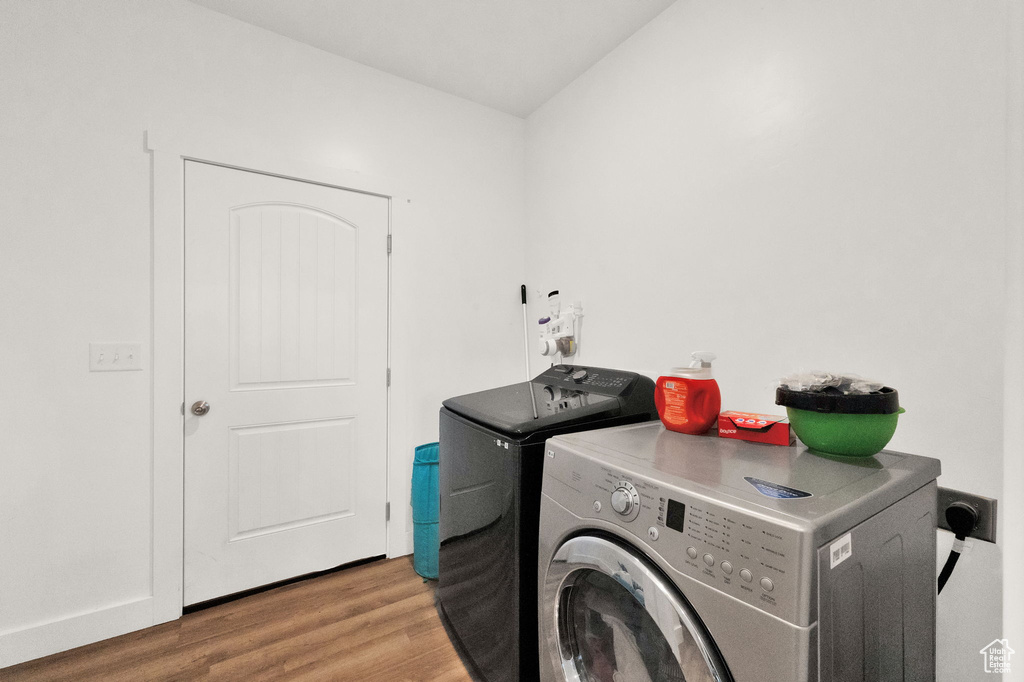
622 501
625 500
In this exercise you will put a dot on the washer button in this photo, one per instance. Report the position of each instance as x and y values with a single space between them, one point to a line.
727 567
597 505
746 575
767 585
709 560
691 552
652 533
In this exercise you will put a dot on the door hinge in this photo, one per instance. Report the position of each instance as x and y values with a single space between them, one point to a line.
389 377
387 511
389 243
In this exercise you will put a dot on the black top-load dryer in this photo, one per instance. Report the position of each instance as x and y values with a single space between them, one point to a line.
491 461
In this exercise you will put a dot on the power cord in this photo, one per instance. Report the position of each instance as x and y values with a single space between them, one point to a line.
962 518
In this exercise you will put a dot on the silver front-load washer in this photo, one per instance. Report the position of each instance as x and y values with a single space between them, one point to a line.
671 557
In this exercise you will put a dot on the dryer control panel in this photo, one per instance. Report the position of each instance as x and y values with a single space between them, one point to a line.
752 559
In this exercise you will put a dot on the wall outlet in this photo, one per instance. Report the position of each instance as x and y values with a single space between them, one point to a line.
985 506
115 357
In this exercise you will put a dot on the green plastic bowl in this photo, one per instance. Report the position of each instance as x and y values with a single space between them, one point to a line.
849 435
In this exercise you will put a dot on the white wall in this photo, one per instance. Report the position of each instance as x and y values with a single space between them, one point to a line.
81 81
709 159
800 185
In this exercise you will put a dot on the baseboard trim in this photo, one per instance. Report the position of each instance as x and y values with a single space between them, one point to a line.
18 646
410 545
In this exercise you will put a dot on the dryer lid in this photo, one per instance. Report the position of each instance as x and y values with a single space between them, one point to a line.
792 480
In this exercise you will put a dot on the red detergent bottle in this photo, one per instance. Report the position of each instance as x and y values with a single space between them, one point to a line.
688 399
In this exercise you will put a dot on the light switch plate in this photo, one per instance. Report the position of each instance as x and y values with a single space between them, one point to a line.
114 357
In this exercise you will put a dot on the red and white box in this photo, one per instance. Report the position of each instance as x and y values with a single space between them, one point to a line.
758 428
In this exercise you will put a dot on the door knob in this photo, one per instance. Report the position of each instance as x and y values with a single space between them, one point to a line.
200 407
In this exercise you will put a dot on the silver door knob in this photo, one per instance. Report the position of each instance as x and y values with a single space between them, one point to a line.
200 407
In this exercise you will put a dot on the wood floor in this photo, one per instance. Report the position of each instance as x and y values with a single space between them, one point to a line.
371 622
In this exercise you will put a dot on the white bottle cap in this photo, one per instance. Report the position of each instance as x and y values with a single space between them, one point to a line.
691 372
700 366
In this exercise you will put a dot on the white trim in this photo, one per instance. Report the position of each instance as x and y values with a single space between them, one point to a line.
35 641
168 367
167 356
249 159
398 544
1012 504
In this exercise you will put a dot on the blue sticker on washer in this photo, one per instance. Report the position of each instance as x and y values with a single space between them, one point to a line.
779 492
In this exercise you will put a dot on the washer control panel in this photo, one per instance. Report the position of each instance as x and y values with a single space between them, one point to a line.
750 558
596 380
747 557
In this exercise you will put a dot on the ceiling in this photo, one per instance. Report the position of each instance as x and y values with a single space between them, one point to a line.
510 55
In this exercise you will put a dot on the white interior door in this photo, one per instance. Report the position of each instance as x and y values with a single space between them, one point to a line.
286 340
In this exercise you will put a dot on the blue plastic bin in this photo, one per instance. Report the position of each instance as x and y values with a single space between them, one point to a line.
426 503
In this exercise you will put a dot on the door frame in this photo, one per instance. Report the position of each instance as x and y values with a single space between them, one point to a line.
167 344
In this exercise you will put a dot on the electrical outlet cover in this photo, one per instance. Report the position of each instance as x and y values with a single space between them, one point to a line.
985 506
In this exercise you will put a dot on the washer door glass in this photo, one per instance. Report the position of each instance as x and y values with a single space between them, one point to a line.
618 620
